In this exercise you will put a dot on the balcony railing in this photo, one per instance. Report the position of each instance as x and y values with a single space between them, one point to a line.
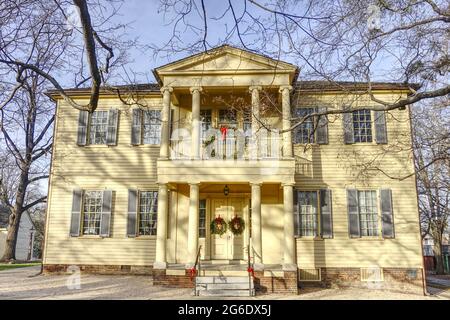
231 147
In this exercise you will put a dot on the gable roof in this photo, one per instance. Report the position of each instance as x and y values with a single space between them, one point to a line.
236 59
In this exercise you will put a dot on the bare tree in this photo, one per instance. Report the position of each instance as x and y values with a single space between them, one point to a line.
431 143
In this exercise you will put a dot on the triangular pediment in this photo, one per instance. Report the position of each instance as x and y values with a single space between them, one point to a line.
226 58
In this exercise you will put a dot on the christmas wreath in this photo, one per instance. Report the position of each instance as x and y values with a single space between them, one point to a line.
218 226
236 225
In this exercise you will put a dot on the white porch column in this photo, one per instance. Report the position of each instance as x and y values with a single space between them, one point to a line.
165 118
256 226
193 224
286 113
289 263
195 151
254 90
161 227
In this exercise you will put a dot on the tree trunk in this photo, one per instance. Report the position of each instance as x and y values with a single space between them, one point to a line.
437 249
11 237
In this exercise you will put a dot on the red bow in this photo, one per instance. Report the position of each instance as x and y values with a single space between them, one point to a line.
223 130
250 270
192 273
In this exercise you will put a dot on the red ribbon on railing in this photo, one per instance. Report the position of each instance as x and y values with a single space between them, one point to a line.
192 273
223 130
251 271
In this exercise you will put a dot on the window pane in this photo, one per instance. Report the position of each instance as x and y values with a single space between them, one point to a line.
202 219
148 212
362 126
367 201
98 127
92 209
306 214
152 127
304 133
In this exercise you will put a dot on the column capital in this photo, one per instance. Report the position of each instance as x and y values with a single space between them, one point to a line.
252 88
194 184
288 184
282 88
166 88
256 184
196 88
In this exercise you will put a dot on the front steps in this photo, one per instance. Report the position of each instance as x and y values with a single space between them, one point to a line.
224 286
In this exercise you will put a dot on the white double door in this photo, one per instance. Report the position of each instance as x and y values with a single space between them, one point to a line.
227 246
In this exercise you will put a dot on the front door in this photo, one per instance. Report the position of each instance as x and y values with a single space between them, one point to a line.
227 246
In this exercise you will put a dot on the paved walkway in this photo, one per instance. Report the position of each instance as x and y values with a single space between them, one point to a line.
23 284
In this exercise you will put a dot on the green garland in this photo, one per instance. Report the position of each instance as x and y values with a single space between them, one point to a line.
236 225
218 226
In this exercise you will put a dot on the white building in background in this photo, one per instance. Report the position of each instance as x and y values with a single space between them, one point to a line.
25 239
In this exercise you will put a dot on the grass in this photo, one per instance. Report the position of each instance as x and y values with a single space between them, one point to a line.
18 265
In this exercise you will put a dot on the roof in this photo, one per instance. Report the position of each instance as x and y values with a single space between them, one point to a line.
299 85
318 85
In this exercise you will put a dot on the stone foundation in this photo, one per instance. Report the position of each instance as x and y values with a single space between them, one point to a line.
99 269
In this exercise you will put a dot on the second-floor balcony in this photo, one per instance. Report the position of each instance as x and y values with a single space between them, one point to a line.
224 144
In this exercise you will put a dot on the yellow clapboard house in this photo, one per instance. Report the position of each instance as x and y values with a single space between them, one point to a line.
137 185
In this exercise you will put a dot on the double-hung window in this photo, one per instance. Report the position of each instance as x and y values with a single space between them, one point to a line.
98 127
368 213
148 212
92 212
304 133
151 127
362 126
306 214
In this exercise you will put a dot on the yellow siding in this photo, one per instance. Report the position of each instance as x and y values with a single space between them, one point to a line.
117 168
335 166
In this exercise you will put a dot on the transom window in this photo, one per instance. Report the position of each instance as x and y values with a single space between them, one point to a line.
362 126
98 127
148 212
152 127
306 213
92 212
202 219
368 213
304 133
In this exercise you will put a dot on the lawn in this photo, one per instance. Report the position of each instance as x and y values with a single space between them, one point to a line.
17 265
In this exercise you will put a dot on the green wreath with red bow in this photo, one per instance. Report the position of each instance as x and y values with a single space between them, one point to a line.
218 226
236 225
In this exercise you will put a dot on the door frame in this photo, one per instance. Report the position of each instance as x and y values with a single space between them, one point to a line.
207 241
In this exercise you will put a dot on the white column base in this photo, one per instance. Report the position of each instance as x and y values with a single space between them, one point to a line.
289 267
159 265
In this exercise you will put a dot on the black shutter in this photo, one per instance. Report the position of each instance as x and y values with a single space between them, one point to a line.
132 213
348 128
105 222
387 217
75 220
113 120
353 213
83 120
322 127
326 220
380 127
136 127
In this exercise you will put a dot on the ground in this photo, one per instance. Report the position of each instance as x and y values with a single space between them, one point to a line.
24 283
